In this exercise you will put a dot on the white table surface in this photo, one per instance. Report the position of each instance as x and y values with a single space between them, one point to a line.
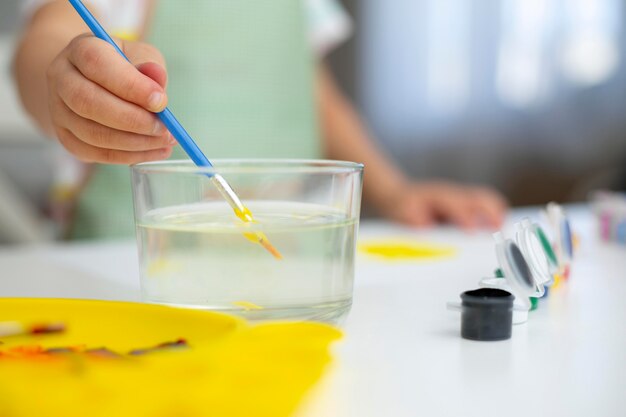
402 354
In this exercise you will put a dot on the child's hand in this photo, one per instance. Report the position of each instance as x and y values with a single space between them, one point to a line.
101 105
425 203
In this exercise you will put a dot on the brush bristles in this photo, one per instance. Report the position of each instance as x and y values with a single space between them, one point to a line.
270 248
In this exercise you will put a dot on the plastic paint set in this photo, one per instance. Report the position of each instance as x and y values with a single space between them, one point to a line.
529 264
610 210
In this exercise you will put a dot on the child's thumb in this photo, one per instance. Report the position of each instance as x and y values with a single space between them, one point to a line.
147 59
154 71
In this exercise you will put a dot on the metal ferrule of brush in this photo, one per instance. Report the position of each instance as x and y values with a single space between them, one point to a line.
228 193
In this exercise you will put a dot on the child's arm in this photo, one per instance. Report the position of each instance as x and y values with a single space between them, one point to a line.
386 187
80 90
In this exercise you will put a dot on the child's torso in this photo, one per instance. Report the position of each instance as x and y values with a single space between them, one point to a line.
241 76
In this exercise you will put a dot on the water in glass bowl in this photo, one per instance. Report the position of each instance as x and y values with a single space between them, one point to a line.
197 256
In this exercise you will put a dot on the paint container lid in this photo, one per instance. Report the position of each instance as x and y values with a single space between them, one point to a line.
537 250
518 277
486 314
564 240
517 272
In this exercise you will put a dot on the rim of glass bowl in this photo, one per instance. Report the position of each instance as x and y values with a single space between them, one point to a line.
250 166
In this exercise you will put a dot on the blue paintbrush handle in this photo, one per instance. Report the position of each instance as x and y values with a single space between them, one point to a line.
166 116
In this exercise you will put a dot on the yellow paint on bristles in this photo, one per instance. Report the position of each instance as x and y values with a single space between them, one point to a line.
245 215
402 249
257 237
268 246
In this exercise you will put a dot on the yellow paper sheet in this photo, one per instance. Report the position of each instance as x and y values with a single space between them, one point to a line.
231 368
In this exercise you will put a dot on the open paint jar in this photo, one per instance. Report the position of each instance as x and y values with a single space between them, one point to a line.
537 250
518 277
610 210
193 250
564 240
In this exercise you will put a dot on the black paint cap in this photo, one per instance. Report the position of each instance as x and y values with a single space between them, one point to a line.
487 314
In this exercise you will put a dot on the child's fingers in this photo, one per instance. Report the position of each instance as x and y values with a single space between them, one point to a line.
101 63
102 136
416 211
453 207
91 101
154 71
419 218
139 53
489 206
88 153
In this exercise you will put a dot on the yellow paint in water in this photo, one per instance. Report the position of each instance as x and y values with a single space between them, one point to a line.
162 266
247 305
400 250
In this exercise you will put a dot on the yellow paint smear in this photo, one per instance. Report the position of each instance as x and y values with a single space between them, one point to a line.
400 250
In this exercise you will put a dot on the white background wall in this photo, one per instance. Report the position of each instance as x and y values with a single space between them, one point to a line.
521 94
